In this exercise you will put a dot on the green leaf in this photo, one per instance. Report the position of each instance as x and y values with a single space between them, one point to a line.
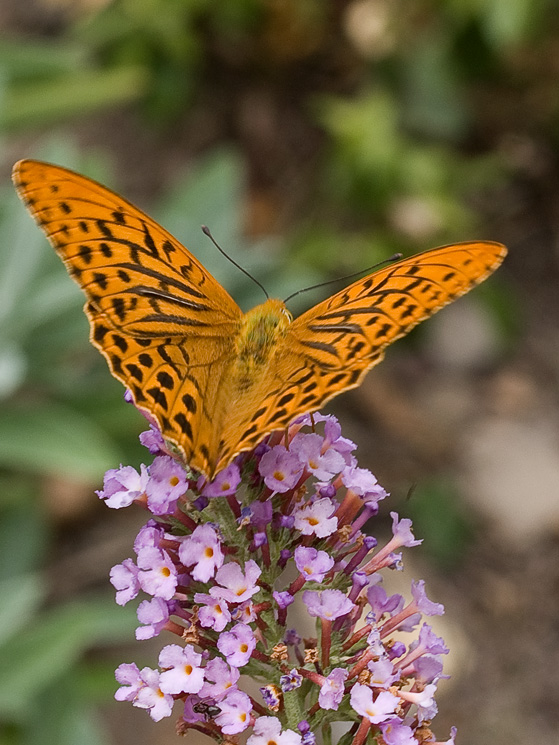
20 597
440 519
38 656
54 439
45 102
23 528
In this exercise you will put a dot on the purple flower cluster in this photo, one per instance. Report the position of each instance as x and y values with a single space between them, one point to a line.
237 567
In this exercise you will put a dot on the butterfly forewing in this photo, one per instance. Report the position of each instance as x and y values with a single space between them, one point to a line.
351 328
134 272
164 324
329 348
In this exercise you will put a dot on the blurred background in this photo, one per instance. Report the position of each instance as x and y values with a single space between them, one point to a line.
315 138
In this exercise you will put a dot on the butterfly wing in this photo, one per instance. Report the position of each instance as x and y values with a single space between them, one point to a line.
329 348
164 324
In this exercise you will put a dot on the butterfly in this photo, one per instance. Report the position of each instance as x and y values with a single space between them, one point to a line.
217 381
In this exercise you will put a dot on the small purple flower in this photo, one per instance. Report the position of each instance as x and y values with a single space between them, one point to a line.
260 514
426 606
282 598
167 482
382 603
220 679
312 564
308 736
149 534
214 613
236 586
315 518
225 483
152 698
428 669
396 733
158 575
271 695
203 549
235 713
363 483
328 604
268 730
333 437
244 612
129 676
124 578
292 638
237 645
308 448
401 529
153 440
382 673
182 671
377 710
291 681
332 690
422 699
430 642
154 614
121 486
280 469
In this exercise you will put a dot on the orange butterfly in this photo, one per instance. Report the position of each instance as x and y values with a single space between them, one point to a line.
216 380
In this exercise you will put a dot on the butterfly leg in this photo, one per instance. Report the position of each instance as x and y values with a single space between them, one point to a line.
313 423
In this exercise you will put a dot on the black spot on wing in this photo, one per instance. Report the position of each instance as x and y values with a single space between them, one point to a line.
184 424
145 360
123 276
100 332
158 396
120 342
119 308
135 372
165 380
85 253
100 280
189 403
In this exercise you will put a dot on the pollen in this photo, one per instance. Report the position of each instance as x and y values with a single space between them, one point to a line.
188 669
174 480
279 476
166 572
209 552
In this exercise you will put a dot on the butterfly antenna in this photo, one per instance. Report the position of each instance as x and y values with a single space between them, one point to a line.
207 232
392 259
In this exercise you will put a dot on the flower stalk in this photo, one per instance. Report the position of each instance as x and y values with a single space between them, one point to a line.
237 569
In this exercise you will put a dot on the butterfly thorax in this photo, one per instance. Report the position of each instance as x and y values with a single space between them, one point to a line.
261 330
